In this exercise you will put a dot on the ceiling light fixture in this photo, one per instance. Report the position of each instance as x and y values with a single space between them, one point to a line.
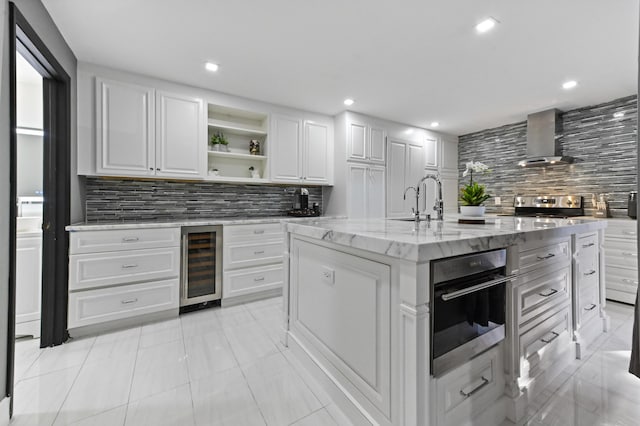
434 124
210 66
569 84
486 25
619 114
349 102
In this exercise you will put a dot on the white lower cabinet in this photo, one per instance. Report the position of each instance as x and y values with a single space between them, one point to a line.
621 260
113 303
468 390
252 262
119 274
28 285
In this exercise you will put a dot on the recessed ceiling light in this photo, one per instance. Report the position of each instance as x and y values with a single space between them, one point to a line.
486 25
569 84
210 66
619 114
434 124
349 102
408 131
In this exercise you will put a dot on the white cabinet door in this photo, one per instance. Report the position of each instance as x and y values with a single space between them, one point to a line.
377 151
431 153
376 192
357 191
124 129
181 148
316 166
450 192
357 141
28 278
449 156
285 151
396 160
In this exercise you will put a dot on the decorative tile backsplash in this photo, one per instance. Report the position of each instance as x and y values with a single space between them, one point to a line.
109 199
604 148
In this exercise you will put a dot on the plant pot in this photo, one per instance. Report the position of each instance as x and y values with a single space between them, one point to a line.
472 211
219 147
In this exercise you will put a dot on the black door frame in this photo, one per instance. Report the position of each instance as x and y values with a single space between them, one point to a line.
56 185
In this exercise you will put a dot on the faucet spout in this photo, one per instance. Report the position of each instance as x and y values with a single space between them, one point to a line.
439 206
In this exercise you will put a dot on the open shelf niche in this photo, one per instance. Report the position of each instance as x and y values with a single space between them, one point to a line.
239 127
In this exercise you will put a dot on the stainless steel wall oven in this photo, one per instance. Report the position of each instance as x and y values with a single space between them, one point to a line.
468 306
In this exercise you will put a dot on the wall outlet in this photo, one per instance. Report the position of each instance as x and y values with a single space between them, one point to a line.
498 201
328 275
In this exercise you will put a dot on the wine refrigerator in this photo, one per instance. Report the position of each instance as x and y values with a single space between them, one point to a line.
201 279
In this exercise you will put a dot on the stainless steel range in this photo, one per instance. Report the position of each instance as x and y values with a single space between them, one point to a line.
549 206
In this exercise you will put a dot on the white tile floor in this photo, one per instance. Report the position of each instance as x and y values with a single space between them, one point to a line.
227 367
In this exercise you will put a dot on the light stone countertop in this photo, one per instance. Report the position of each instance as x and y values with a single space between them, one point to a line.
438 239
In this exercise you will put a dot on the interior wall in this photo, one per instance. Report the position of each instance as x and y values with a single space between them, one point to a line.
30 153
39 19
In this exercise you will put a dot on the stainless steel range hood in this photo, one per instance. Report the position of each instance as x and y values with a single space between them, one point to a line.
543 130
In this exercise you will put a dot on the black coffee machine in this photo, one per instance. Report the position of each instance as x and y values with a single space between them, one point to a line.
300 205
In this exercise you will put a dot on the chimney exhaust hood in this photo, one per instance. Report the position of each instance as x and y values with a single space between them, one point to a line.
543 148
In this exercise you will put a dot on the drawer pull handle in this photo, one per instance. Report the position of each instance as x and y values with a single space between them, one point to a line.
591 307
591 272
129 265
258 279
588 245
628 281
484 383
629 232
130 239
549 256
259 252
259 231
554 337
128 301
628 253
550 293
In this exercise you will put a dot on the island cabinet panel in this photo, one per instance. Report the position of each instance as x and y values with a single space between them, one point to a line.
342 306
541 290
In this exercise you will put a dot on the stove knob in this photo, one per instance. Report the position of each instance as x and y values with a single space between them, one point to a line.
569 202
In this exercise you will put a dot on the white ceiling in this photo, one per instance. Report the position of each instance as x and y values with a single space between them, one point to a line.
412 61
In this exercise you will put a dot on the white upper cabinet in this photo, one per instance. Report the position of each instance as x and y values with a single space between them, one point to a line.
404 169
449 148
180 148
431 152
376 192
141 132
366 143
124 129
302 151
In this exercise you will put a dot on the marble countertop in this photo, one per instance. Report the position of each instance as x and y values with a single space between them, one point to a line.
438 239
98 226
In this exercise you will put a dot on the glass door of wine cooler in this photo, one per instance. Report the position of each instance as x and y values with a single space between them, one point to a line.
201 264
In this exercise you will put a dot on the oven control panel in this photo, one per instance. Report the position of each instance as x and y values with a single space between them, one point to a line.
549 201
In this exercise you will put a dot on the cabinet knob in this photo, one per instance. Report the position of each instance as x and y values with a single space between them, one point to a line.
150 168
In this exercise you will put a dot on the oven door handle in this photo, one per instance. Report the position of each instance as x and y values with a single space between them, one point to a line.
464 291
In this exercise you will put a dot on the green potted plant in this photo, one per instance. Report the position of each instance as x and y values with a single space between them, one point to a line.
219 142
473 194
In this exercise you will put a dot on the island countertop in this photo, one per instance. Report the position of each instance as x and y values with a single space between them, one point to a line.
435 239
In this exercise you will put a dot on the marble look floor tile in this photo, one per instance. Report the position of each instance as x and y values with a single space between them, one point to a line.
234 316
281 394
338 416
562 412
317 418
249 342
169 408
115 344
69 354
159 368
609 370
208 353
37 400
160 332
113 417
225 399
26 352
308 379
199 322
100 386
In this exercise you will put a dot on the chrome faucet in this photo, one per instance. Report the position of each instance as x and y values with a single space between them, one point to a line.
438 207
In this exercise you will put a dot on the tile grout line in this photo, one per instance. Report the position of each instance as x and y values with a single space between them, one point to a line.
186 359
133 372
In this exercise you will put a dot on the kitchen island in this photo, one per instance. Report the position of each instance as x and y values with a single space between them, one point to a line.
360 310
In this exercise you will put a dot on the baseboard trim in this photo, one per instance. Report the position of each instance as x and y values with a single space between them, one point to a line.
4 411
91 330
237 300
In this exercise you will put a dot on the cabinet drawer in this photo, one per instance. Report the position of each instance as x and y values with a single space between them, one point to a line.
272 231
538 292
252 280
102 269
262 253
470 388
622 279
588 306
621 253
625 229
107 304
587 248
543 341
544 256
122 239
